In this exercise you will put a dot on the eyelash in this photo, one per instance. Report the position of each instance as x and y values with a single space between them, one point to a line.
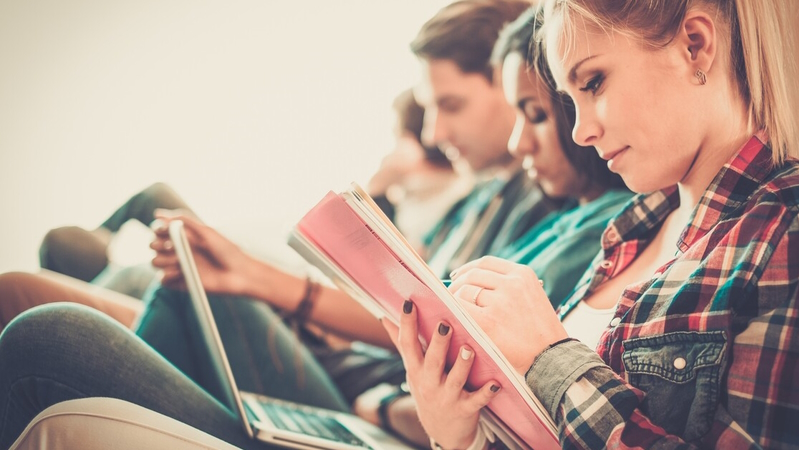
593 85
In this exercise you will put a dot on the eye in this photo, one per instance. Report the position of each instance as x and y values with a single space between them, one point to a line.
533 113
593 84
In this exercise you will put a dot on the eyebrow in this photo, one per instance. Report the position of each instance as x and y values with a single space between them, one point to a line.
576 67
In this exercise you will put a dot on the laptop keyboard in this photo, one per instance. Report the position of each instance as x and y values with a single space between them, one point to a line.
291 418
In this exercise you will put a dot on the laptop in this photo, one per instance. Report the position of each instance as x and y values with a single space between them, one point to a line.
271 420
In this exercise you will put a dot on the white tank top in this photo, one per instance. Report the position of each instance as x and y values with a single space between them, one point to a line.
587 324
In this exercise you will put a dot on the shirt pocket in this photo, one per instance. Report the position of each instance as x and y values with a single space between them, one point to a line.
680 372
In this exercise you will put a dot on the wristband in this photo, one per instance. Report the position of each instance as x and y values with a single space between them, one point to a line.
385 403
303 310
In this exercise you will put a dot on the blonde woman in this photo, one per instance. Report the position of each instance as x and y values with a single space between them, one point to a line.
688 102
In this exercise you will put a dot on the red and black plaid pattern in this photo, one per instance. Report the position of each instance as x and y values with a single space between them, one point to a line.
706 352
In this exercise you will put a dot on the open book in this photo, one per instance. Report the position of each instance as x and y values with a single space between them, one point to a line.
352 242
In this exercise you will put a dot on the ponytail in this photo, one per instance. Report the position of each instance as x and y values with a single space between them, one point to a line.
764 59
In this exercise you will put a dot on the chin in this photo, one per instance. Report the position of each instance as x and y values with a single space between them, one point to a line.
641 184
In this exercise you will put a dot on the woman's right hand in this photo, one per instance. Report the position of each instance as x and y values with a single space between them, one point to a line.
221 263
448 413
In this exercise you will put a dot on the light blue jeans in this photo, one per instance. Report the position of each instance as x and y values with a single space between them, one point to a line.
61 351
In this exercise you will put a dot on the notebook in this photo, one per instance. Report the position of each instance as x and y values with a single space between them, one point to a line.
350 240
279 422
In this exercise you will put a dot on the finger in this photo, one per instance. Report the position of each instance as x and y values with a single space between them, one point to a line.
409 346
475 295
392 329
483 396
171 276
166 261
459 373
436 356
492 263
478 276
161 245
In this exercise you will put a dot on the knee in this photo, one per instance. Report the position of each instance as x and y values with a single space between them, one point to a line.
162 196
37 330
73 251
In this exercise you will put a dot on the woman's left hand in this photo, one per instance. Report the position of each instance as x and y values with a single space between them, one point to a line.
508 301
448 413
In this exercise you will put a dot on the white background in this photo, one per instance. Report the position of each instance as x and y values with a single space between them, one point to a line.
251 109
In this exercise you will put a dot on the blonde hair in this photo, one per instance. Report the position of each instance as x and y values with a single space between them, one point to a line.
760 38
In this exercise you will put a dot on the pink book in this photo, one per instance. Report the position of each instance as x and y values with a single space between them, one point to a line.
351 241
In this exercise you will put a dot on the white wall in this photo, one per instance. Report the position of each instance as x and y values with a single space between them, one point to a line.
251 109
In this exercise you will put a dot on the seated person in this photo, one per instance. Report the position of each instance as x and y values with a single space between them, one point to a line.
416 183
83 254
221 263
698 276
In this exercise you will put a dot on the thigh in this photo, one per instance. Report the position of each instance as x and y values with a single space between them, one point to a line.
265 356
20 292
61 352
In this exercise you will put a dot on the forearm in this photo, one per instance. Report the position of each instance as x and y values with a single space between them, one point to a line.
332 309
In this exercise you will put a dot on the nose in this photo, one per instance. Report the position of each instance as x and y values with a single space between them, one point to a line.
521 142
435 130
586 128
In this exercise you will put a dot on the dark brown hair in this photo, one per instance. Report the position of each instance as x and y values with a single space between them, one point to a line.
465 32
517 37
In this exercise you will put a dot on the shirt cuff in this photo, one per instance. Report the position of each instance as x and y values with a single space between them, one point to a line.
557 368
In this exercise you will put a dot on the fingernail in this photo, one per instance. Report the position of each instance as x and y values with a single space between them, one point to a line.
407 307
443 329
168 245
466 353
494 388
453 273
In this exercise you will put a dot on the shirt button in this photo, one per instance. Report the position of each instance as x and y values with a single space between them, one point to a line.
679 363
606 264
615 321
612 236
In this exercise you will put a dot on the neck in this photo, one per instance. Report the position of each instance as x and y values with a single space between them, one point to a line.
730 129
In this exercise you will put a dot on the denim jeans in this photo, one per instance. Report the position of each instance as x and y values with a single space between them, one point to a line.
265 356
62 351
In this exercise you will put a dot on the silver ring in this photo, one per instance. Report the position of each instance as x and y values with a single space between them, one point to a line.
477 294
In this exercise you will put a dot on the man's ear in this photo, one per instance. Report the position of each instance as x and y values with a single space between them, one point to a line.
698 40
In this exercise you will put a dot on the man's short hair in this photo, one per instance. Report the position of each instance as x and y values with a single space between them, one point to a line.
464 32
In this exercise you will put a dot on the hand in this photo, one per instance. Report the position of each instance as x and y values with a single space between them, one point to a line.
407 157
220 262
508 302
448 413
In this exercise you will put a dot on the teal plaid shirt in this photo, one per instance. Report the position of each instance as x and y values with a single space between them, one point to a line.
706 352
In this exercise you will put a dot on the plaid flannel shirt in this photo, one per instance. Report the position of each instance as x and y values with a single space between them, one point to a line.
706 352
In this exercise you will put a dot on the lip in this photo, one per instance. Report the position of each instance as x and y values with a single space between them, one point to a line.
611 155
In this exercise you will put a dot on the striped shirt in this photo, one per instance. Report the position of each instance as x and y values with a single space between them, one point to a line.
706 352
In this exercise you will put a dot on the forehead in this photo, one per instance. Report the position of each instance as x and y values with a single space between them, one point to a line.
517 81
571 40
442 78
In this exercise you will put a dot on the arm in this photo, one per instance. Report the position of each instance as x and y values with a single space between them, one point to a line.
748 395
225 268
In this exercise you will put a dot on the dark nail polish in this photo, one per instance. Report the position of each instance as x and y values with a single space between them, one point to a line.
494 388
407 307
443 329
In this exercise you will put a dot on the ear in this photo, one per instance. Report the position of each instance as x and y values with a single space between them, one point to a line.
698 40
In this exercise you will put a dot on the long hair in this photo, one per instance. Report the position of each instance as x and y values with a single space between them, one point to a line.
517 37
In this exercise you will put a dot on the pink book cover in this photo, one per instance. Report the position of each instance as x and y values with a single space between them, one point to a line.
337 231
